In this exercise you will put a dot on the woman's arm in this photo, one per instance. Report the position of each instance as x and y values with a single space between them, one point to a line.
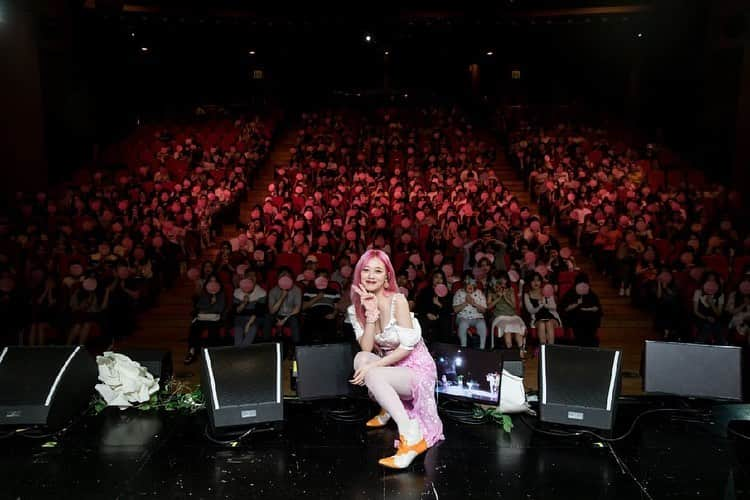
494 299
527 304
696 301
549 303
481 305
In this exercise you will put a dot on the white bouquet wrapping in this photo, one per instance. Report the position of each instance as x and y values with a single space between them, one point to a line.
125 382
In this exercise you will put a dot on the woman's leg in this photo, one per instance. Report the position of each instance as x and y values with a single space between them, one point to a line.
541 332
252 331
238 331
194 337
388 385
463 325
551 325
481 326
508 340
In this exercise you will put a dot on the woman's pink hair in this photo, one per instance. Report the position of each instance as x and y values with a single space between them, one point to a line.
357 279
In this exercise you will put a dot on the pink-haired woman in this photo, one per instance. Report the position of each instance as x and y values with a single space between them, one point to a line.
394 364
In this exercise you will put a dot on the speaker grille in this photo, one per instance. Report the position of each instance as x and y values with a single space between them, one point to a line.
324 370
19 388
246 376
578 377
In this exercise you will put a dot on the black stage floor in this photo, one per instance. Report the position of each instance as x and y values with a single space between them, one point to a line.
145 455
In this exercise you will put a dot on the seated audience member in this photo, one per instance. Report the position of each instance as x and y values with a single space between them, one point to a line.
583 312
319 308
738 306
470 304
708 308
250 307
542 309
209 315
502 303
434 309
284 306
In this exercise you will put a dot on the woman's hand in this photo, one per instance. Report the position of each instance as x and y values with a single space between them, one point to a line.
368 299
359 375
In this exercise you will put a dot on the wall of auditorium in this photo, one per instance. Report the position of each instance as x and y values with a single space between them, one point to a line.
22 136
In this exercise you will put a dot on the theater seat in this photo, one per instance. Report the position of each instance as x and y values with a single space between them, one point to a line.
717 263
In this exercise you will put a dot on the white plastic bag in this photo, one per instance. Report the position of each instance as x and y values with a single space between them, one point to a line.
512 395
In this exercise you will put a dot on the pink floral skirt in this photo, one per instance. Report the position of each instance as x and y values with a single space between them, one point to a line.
422 405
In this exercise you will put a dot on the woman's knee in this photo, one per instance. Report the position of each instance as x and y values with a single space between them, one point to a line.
375 376
361 359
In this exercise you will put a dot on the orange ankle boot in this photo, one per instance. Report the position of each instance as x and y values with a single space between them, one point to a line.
409 447
378 420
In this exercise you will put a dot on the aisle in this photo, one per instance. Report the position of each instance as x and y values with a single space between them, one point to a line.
165 326
623 326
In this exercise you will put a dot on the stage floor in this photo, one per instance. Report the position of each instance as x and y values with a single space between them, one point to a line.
141 455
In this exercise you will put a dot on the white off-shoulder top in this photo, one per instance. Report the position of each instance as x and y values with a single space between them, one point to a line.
393 335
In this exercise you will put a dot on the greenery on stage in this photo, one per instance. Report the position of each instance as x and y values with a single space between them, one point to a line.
493 414
174 396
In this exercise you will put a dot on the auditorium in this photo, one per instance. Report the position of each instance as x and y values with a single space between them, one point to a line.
430 250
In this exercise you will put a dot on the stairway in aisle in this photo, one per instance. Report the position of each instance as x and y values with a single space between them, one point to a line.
166 325
623 326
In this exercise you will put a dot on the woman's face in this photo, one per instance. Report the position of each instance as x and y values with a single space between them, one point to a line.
470 287
437 279
536 283
373 275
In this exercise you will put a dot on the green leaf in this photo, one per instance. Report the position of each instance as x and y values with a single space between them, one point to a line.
507 424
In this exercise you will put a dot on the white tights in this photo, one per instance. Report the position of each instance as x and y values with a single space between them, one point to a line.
388 385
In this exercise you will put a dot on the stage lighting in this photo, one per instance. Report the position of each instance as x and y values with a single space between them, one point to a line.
640 35
144 49
490 53
251 52
368 38
132 34
387 52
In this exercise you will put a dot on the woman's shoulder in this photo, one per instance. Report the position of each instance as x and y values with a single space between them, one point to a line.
399 298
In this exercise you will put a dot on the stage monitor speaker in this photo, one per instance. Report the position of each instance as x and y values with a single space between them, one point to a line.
512 362
715 371
324 371
242 385
44 386
158 363
579 385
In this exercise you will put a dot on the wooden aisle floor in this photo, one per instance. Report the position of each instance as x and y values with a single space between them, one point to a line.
166 325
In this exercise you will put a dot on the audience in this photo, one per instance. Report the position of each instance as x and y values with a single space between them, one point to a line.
418 184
